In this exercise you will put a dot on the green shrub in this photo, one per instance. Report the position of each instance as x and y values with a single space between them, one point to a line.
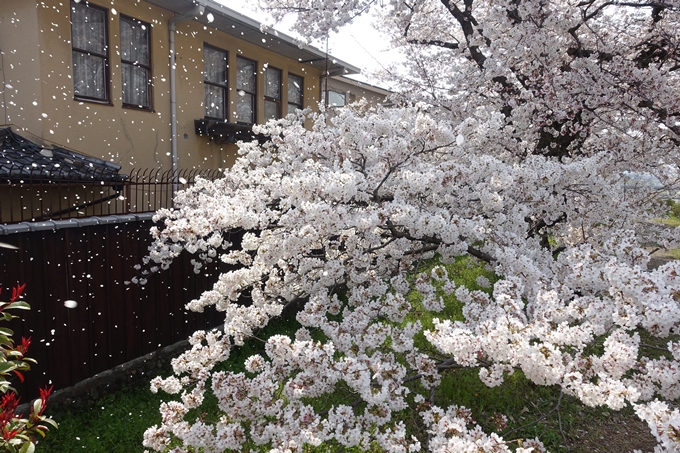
675 209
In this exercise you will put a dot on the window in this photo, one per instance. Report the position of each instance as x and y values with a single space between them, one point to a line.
135 56
90 52
215 66
272 94
246 88
335 98
294 93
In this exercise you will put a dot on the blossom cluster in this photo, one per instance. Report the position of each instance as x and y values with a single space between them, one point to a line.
515 158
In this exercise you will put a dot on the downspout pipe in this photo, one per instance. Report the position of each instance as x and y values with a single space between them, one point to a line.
172 28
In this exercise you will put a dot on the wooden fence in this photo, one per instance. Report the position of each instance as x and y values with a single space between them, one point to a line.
113 322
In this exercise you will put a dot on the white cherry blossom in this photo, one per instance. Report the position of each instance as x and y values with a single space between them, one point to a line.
507 142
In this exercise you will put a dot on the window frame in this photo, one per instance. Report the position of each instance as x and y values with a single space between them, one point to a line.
148 68
251 93
302 92
224 87
277 101
106 100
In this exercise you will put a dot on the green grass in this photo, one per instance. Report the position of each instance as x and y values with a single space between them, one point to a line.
672 217
669 220
672 253
118 422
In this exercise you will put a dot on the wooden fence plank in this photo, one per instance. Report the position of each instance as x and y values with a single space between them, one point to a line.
117 291
33 321
79 318
56 335
99 284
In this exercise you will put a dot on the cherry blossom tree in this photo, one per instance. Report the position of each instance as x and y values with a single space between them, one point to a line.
514 125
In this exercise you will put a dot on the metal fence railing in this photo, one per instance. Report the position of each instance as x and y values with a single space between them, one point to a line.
37 197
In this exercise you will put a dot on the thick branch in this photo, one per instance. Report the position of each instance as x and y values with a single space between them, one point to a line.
434 42
433 242
467 23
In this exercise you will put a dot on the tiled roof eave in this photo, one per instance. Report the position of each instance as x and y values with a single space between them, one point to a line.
21 160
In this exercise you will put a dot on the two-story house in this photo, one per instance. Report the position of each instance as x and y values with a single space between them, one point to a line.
149 83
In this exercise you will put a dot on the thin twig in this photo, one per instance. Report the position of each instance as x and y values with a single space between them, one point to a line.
650 346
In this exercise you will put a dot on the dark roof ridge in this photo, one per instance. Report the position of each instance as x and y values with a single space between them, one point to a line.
21 159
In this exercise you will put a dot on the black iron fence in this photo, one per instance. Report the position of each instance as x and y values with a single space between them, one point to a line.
34 197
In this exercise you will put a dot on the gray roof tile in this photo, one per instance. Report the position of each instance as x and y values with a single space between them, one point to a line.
21 159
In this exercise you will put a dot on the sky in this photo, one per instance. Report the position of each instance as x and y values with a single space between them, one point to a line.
359 44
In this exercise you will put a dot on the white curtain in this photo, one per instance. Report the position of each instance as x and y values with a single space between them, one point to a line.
88 32
246 86
134 55
135 85
272 93
215 78
294 93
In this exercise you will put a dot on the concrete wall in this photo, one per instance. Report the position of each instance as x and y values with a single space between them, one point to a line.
35 38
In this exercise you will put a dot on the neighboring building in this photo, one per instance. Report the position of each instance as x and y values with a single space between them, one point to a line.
342 91
96 77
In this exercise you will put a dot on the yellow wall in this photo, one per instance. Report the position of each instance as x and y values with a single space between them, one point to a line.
20 85
35 38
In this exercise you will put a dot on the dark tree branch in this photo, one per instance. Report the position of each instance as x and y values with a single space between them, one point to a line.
467 23
433 243
434 42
